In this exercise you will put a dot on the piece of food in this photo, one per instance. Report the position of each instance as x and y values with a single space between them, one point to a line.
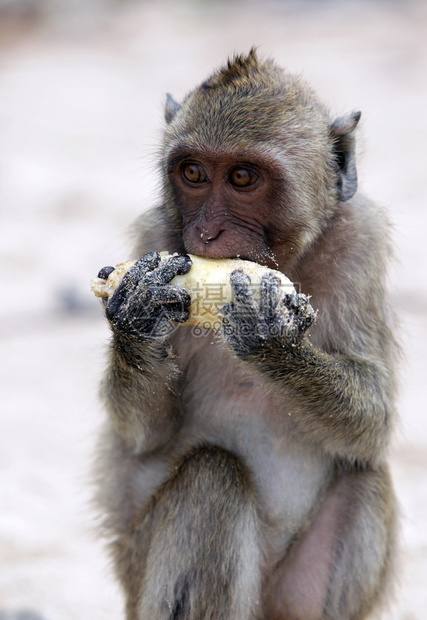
105 287
208 283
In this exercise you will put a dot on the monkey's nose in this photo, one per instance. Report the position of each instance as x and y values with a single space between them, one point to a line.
210 233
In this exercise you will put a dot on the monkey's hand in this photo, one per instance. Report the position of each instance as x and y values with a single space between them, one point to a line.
278 319
144 304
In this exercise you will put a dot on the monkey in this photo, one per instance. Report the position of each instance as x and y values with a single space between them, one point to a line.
243 475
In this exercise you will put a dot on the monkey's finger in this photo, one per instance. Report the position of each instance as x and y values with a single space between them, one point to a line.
228 325
240 334
140 268
105 272
269 294
177 313
230 317
307 316
292 301
301 315
228 310
152 316
168 269
241 287
242 317
162 296
299 305
130 281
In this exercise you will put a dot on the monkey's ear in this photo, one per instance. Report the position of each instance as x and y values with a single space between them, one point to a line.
171 108
342 133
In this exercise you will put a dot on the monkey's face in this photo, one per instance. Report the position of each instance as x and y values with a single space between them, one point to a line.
223 200
252 166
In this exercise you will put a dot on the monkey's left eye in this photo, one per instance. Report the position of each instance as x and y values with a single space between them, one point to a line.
242 177
194 173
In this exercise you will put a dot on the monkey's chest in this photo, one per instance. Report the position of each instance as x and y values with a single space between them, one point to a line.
217 392
224 404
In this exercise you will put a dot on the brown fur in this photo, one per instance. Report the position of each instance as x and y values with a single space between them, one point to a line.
246 479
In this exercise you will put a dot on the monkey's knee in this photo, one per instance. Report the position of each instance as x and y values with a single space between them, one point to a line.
362 577
202 538
340 566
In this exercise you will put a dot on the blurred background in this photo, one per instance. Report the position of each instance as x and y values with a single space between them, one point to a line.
82 86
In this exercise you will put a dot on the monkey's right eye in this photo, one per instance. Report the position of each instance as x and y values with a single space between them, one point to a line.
194 173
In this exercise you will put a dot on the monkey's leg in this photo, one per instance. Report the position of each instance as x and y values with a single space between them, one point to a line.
340 566
194 553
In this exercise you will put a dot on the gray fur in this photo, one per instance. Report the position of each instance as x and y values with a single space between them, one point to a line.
246 477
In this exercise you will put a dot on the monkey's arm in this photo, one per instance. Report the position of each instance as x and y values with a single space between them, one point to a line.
138 393
138 386
341 401
345 400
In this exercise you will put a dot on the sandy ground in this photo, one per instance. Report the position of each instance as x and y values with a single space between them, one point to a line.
81 93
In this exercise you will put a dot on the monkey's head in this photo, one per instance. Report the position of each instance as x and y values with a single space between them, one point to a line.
252 164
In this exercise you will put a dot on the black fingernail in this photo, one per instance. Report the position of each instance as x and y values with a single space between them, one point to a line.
152 257
185 265
105 272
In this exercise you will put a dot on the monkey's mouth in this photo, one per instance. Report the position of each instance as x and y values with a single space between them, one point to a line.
227 246
265 259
